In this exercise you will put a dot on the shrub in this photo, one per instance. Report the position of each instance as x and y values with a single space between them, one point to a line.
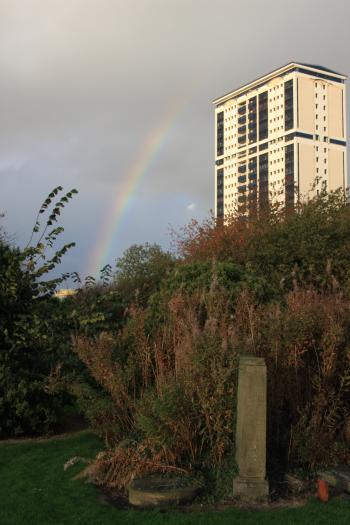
29 346
171 391
279 248
277 288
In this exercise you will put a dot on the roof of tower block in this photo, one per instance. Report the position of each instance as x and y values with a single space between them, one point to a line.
320 71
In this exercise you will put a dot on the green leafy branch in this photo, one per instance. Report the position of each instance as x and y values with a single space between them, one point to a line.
33 254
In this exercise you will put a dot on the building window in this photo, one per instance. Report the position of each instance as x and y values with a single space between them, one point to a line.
220 133
263 181
289 175
263 116
252 120
288 108
220 193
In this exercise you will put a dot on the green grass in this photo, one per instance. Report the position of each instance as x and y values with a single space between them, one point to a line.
34 490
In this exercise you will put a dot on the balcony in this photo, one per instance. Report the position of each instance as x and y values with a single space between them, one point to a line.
242 139
242 120
242 110
242 168
242 129
242 189
242 178
252 176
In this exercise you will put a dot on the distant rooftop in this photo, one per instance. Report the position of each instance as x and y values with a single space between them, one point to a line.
340 77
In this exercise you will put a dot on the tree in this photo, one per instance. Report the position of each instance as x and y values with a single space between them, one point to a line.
141 270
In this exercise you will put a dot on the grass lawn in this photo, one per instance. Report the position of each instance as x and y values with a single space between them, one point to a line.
34 490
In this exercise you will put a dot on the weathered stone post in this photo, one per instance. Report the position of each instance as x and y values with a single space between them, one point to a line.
251 483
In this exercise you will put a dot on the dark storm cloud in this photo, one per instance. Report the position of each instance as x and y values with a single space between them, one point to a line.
84 81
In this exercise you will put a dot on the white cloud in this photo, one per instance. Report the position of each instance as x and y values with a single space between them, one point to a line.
191 206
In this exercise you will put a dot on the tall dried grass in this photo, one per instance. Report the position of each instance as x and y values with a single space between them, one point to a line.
173 394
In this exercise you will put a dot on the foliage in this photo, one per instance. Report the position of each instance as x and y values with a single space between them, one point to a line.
166 377
28 345
305 343
140 271
191 276
36 258
155 345
279 247
170 394
93 309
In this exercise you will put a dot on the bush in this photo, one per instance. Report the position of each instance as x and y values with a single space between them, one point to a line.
31 341
305 343
280 248
171 392
278 288
26 356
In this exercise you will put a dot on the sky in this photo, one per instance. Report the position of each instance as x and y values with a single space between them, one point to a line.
114 98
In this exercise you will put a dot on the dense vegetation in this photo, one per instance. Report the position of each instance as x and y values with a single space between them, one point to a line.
150 352
30 324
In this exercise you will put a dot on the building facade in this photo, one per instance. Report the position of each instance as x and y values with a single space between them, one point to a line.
280 138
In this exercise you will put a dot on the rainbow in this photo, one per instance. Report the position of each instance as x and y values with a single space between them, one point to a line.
149 150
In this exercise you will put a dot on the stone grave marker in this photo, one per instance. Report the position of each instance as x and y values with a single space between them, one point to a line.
251 483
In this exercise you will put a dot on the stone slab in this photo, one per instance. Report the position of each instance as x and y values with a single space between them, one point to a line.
156 491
